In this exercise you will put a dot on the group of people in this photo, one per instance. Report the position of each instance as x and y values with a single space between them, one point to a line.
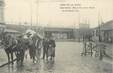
18 45
49 48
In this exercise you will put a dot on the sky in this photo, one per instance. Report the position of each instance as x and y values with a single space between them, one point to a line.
48 12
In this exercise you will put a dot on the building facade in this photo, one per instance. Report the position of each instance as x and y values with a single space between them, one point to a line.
59 33
2 24
2 11
105 32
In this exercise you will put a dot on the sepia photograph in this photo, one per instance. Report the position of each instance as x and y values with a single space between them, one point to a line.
56 36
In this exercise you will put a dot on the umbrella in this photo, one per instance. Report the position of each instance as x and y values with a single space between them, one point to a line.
32 33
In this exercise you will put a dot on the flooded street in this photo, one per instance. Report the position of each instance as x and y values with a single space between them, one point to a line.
67 60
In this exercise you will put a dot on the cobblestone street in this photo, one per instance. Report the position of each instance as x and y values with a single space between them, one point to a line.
67 60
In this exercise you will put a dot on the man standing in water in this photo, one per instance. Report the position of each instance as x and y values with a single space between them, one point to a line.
51 48
45 46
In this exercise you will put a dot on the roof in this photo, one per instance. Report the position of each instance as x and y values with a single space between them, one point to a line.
3 26
11 31
58 29
106 26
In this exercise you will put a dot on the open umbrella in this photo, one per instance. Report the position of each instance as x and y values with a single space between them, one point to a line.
32 33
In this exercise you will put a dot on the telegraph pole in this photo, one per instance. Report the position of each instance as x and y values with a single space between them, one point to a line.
31 13
74 31
37 20
79 26
99 27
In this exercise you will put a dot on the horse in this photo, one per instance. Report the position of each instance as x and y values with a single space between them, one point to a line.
14 45
9 43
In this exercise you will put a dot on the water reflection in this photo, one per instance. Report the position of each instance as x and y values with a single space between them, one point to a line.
49 66
42 67
19 68
10 68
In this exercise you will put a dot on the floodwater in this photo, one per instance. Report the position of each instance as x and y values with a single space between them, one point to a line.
67 60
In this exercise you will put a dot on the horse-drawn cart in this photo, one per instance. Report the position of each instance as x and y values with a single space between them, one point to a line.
92 48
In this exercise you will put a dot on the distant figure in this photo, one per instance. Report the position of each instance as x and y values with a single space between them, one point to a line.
51 49
38 45
45 46
32 50
31 47
20 50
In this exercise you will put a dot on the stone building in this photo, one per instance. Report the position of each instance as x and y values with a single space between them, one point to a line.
2 11
106 32
2 24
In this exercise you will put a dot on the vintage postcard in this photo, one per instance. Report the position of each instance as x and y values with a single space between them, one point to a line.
56 36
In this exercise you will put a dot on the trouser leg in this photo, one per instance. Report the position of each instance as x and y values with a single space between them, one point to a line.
44 53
